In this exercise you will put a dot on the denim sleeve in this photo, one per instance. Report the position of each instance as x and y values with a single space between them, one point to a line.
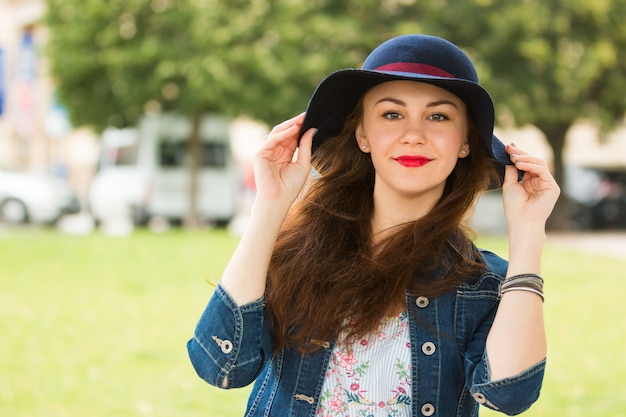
512 395
230 343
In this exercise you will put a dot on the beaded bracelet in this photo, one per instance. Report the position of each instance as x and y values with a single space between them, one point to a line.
523 282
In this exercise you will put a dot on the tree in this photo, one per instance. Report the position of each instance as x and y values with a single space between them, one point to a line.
546 62
262 58
114 59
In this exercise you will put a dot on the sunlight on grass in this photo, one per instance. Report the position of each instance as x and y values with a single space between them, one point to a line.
584 314
97 326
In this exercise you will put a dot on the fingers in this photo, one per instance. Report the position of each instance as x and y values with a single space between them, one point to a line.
524 161
285 134
534 169
304 147
529 163
517 153
510 176
512 148
287 125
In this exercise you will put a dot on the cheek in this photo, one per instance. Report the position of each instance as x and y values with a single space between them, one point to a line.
453 140
380 146
381 135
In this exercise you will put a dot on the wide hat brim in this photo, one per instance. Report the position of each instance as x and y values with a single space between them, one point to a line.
337 95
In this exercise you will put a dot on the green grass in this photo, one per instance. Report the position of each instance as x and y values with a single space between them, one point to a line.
585 313
97 326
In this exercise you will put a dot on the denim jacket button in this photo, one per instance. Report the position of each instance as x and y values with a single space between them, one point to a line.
422 302
306 398
428 409
226 346
428 348
480 398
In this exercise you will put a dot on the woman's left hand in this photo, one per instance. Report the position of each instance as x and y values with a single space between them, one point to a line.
517 338
532 199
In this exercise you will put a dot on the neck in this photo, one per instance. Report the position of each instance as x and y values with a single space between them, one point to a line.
393 209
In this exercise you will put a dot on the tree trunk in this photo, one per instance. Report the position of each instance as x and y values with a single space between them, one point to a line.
556 137
194 149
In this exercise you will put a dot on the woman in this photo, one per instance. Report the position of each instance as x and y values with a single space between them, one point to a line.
366 296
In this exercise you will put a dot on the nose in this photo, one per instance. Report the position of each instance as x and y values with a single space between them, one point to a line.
414 132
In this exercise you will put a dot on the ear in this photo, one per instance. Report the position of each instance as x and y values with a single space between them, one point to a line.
361 139
465 150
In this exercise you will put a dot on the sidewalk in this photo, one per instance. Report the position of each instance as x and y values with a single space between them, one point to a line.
604 243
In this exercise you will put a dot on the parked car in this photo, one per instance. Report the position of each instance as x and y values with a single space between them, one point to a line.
598 197
144 172
34 198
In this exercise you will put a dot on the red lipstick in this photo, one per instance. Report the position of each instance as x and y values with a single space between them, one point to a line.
412 161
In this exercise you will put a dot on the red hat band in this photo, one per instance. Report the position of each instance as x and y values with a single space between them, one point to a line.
415 68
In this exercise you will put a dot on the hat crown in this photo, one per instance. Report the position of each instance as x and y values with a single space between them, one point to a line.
429 55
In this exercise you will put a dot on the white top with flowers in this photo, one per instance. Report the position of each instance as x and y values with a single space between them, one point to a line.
372 377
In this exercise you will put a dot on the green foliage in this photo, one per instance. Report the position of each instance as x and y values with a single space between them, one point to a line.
113 60
546 62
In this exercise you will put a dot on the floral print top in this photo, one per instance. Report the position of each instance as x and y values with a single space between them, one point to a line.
372 377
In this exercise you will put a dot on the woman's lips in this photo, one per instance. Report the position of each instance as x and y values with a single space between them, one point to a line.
412 160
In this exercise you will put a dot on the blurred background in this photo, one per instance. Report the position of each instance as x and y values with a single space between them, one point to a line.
125 114
139 119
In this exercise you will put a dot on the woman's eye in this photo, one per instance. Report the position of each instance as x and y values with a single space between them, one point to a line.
438 117
392 115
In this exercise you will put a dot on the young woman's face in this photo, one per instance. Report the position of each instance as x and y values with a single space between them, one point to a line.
415 133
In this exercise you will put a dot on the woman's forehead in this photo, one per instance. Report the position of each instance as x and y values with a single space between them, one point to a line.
406 90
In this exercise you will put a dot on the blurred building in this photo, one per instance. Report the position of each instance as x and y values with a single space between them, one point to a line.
35 133
595 177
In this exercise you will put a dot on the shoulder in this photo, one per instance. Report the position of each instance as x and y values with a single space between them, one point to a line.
495 264
488 282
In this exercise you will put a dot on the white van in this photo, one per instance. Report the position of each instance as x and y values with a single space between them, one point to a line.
144 172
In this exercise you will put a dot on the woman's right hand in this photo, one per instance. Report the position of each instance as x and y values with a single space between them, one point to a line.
282 166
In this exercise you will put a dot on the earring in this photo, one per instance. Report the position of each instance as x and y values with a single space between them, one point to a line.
464 152
363 146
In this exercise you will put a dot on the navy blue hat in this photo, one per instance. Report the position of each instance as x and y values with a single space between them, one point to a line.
422 58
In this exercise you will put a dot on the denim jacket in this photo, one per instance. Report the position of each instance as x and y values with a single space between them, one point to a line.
232 347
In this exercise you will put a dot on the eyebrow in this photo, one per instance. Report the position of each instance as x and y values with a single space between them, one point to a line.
391 99
441 102
402 103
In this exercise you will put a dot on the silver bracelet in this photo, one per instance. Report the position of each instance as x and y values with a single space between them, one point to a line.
523 278
523 282
522 288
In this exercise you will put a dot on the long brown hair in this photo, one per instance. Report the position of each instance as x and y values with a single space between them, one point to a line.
326 276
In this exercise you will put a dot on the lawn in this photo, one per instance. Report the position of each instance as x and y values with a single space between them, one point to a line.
97 326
